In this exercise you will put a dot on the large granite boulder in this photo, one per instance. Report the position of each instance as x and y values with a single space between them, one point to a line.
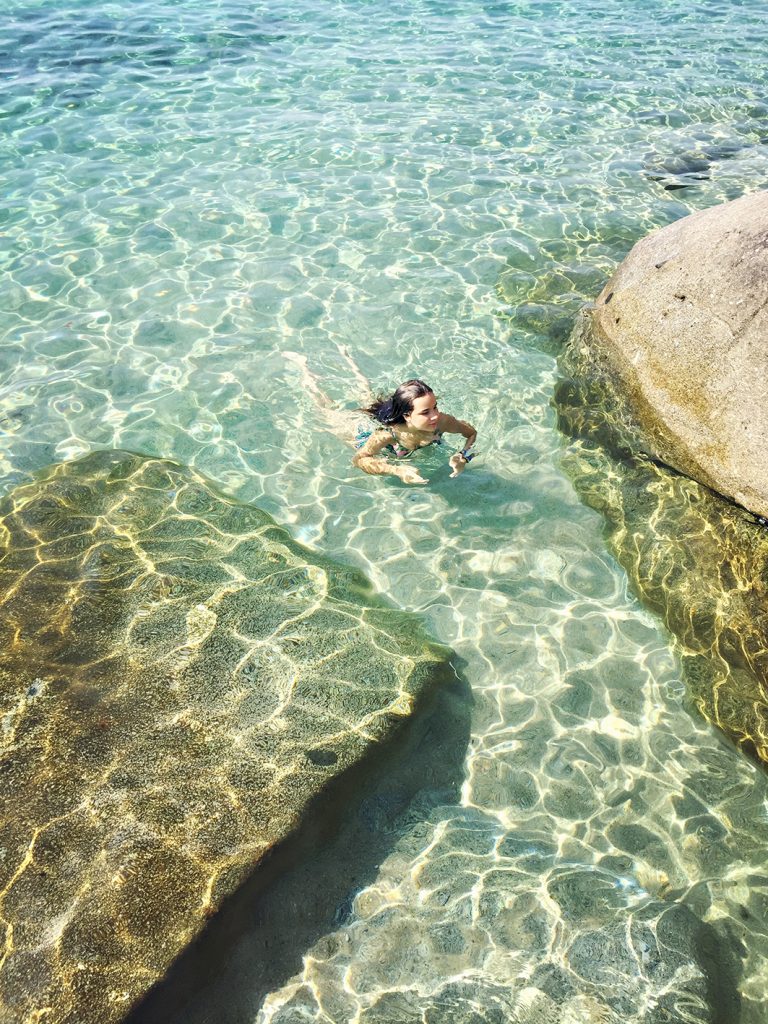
684 322
179 682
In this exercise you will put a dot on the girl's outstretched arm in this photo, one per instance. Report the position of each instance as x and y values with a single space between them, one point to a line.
367 458
450 425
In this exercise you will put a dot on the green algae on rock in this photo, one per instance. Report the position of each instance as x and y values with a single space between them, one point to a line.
178 681
697 560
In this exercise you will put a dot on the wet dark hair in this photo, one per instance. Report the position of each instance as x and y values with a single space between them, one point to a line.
394 409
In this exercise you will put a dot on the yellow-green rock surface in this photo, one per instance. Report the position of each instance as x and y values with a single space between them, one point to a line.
178 680
697 560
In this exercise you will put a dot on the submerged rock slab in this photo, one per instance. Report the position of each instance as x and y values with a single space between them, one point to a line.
684 322
699 561
179 680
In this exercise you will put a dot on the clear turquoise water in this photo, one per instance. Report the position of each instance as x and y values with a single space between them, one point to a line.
191 190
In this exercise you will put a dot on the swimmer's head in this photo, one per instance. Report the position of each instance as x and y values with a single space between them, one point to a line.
413 404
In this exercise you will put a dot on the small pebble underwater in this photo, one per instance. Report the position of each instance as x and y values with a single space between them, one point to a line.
435 187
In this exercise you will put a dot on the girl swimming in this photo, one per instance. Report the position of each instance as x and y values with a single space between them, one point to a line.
409 420
403 423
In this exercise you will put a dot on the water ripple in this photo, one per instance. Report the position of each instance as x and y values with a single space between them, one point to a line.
191 190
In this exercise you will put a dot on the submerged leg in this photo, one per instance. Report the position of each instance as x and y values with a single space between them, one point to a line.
365 386
308 379
340 422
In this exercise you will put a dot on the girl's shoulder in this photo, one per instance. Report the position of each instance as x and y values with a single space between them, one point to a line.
446 422
374 439
368 431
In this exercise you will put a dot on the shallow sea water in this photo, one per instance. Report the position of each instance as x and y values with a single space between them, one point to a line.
191 191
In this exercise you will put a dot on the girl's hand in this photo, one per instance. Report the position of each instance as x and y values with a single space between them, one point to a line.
409 475
457 463
460 461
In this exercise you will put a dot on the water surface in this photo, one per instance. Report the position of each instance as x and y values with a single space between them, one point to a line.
191 190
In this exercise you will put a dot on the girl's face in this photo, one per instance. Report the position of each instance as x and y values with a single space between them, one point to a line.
424 414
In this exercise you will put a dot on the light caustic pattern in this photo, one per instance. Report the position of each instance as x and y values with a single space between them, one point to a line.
696 559
603 830
178 680
193 190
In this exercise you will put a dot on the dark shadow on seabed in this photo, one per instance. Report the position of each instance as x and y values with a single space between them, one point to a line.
306 887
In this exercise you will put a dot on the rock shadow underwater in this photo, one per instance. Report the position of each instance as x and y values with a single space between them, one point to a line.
192 705
306 889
